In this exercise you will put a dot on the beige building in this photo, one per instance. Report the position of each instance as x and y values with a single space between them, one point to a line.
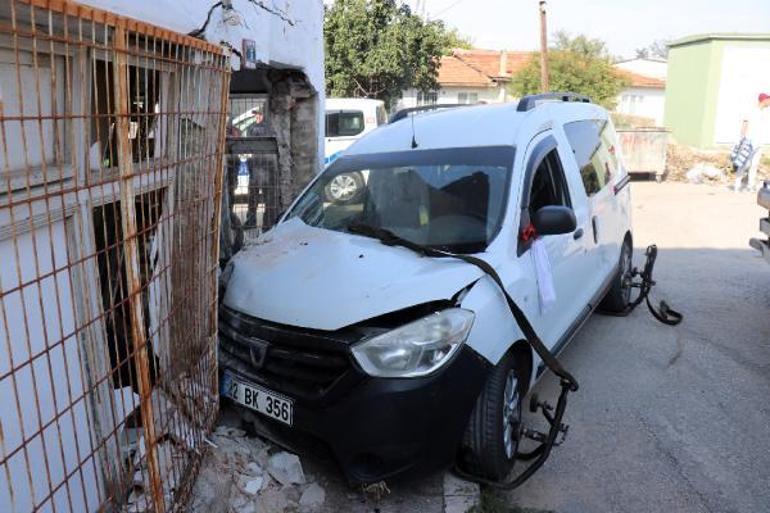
471 76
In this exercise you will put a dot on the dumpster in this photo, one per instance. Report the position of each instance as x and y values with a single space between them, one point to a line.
644 150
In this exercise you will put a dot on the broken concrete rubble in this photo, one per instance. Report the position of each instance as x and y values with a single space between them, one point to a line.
286 468
245 474
312 498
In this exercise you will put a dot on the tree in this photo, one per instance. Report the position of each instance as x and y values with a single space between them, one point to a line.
579 65
580 44
378 48
658 49
456 40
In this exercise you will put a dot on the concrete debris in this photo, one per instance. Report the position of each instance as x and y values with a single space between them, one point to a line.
312 498
244 474
460 495
171 420
252 486
278 499
703 172
286 468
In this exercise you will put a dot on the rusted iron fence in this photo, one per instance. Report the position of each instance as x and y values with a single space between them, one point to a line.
111 158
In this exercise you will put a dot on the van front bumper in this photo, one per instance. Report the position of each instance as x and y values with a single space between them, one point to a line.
376 428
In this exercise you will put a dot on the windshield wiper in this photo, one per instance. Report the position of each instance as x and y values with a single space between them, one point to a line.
389 238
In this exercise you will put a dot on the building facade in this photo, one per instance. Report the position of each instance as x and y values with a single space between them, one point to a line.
115 116
471 76
712 86
644 97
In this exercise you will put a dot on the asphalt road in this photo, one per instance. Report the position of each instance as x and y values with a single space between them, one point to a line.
672 419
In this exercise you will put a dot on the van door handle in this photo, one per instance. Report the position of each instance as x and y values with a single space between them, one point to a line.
578 233
593 225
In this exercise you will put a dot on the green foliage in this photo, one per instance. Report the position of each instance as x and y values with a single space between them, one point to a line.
579 65
378 48
580 44
457 40
658 48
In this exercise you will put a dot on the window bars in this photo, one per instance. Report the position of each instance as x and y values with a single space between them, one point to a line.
111 148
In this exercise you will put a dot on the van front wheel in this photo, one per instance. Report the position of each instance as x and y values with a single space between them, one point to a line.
619 295
492 436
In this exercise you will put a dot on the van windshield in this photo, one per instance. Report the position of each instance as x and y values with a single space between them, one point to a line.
450 199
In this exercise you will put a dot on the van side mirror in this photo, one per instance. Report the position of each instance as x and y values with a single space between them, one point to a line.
554 220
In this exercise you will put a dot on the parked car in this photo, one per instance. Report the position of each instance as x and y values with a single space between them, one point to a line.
398 362
347 120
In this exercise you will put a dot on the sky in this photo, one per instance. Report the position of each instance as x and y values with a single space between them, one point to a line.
624 24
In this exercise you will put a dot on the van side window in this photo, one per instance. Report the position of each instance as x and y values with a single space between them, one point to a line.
592 156
345 123
549 186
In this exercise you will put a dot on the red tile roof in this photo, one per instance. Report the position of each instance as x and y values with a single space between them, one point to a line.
637 80
479 68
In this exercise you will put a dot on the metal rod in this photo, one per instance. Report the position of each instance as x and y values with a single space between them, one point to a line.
544 74
131 255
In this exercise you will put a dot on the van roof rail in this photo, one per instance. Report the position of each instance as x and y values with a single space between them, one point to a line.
401 114
531 101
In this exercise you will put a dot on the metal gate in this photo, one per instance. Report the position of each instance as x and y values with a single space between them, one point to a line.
111 138
251 167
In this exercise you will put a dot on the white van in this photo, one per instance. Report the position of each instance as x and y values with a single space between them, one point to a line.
347 120
342 326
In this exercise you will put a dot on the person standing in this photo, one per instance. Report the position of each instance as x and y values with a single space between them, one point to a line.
756 128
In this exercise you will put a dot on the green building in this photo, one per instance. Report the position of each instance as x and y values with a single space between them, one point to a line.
712 85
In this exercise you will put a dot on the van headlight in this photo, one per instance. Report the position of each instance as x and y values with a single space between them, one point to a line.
417 348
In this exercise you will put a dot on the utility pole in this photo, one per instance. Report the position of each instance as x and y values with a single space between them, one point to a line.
543 49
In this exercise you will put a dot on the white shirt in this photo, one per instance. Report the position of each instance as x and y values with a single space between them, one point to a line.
758 131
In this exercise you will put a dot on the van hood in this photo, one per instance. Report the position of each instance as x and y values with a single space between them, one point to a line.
309 277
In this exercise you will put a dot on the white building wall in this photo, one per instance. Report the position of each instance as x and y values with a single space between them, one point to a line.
451 95
741 81
644 102
291 39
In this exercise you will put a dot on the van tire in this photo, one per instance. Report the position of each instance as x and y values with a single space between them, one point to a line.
619 295
345 188
483 449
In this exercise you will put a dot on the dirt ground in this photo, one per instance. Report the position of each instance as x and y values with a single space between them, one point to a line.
666 419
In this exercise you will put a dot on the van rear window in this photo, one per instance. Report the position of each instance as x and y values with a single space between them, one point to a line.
344 123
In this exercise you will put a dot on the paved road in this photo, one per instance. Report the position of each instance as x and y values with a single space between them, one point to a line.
673 419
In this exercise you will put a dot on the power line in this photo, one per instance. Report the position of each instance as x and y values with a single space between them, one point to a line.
445 9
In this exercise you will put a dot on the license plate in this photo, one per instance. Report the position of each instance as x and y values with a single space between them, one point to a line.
259 399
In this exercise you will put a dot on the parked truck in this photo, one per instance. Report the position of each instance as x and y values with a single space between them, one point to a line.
763 245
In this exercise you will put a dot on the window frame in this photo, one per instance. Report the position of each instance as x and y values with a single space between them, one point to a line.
426 98
338 112
543 149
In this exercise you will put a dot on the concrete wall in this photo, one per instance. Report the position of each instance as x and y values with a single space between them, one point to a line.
691 89
745 72
292 38
711 84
